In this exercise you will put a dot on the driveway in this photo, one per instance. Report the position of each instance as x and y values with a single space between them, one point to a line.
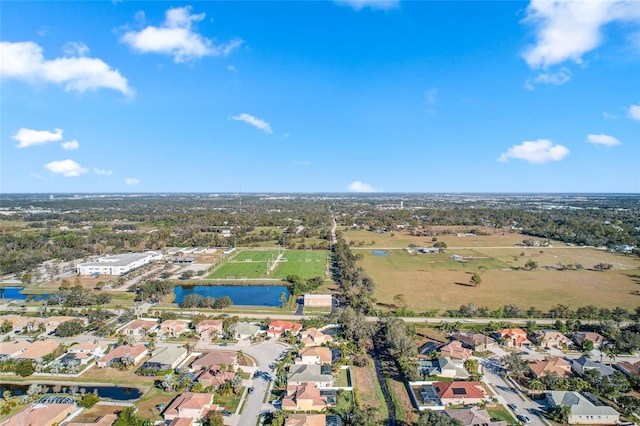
507 393
264 354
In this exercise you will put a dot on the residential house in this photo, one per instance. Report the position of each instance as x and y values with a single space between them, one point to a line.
214 377
173 328
244 331
318 301
207 329
52 323
278 328
17 322
597 339
313 420
305 397
37 349
629 369
428 348
190 405
314 355
315 337
582 364
548 339
40 415
183 421
513 337
475 341
91 349
303 373
459 393
443 367
550 365
216 359
455 350
106 420
166 358
473 416
137 352
139 327
586 408
12 349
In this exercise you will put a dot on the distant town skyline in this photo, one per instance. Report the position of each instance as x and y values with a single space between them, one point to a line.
320 97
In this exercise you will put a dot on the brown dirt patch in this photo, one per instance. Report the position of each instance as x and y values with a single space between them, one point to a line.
92 414
399 389
365 382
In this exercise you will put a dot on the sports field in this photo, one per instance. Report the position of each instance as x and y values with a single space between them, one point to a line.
303 263
259 264
431 281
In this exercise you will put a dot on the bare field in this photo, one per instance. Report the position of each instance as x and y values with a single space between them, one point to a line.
431 281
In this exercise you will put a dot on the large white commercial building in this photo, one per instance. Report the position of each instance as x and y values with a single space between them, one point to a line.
118 264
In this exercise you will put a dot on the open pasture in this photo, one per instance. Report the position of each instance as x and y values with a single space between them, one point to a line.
239 270
303 263
431 281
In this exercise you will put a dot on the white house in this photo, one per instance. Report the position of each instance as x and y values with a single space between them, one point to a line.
118 264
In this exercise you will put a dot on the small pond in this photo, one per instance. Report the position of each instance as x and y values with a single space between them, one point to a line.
252 295
115 393
380 253
14 293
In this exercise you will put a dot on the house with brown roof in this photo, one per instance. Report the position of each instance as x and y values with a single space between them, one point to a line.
173 328
473 416
17 322
305 397
139 327
315 337
216 359
182 421
314 355
475 341
115 356
514 337
209 328
40 415
629 369
277 328
213 377
455 350
597 339
306 420
13 349
550 365
459 393
190 405
548 339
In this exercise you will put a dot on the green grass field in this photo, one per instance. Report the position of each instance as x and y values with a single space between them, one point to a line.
254 263
255 256
304 263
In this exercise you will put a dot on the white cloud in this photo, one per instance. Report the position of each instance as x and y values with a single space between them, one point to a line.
603 140
177 37
556 78
255 122
131 181
566 30
102 172
67 168
75 48
373 4
70 145
634 112
609 116
28 137
301 163
538 151
357 186
24 61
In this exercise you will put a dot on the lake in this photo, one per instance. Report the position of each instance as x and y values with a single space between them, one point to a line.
14 293
254 295
115 393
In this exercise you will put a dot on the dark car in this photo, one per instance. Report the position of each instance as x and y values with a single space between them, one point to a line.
250 390
226 413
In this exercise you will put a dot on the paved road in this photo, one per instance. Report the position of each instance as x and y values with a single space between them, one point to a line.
264 354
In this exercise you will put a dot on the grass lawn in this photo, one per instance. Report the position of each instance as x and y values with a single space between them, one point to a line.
304 263
500 413
148 404
255 256
240 270
344 402
343 378
433 281
230 402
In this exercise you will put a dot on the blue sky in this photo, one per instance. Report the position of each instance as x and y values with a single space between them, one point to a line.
388 96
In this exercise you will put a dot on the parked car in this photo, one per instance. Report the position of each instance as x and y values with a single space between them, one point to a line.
523 418
250 390
513 406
